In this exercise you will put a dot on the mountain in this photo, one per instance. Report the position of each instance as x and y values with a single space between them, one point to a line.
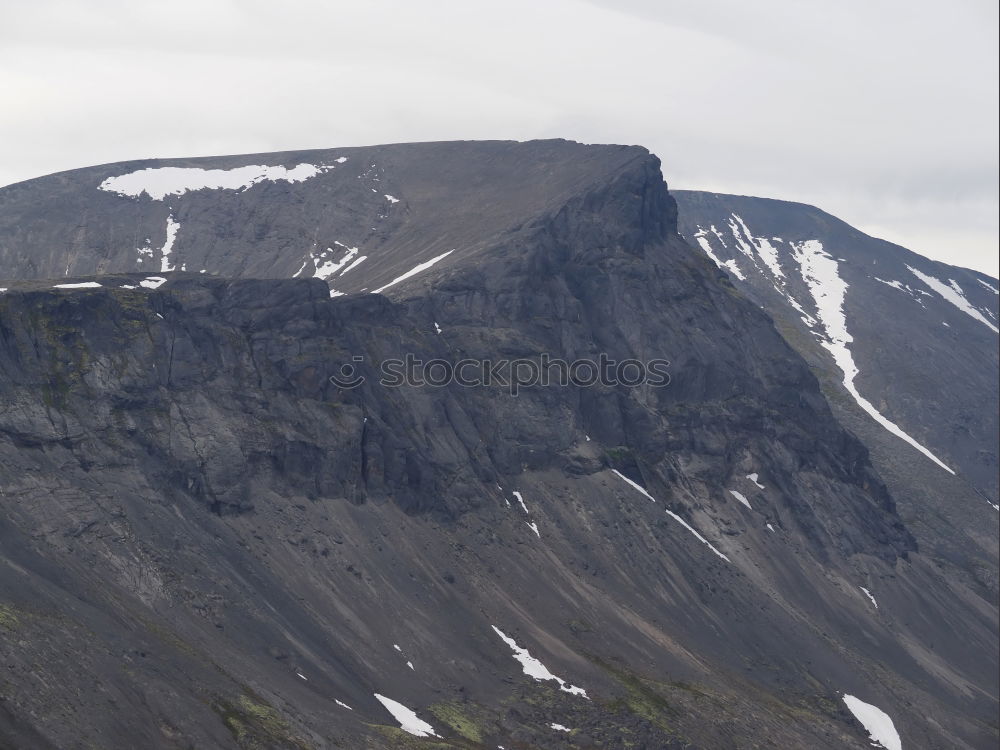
905 347
210 543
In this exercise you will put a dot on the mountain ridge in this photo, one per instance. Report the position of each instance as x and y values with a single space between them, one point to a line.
237 548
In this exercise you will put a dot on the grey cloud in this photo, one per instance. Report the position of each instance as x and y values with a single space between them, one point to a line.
883 113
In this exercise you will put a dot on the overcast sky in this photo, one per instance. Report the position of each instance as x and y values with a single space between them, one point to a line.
883 113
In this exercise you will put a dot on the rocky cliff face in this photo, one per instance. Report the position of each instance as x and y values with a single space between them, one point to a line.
209 543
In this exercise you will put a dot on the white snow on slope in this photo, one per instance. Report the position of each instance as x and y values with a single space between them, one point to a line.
328 268
560 727
729 265
634 485
408 663
168 246
740 497
700 538
413 271
391 198
820 272
520 499
408 720
673 515
893 283
81 285
534 668
159 182
342 704
152 282
989 286
741 244
876 721
767 252
357 262
325 267
899 286
953 293
531 524
869 595
753 478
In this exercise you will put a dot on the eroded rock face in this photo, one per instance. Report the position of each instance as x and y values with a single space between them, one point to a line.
227 544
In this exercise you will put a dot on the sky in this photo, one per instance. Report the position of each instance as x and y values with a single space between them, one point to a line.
881 112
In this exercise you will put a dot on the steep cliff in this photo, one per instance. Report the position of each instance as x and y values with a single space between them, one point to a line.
209 543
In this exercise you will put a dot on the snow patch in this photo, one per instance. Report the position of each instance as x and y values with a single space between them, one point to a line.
560 727
739 496
408 720
168 246
673 515
391 198
159 182
700 538
80 285
152 282
534 527
729 265
769 527
342 704
753 478
355 264
953 293
414 271
989 286
534 668
327 268
517 496
869 595
876 722
914 293
634 485
767 252
820 272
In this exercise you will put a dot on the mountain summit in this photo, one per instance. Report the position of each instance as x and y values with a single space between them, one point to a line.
213 539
